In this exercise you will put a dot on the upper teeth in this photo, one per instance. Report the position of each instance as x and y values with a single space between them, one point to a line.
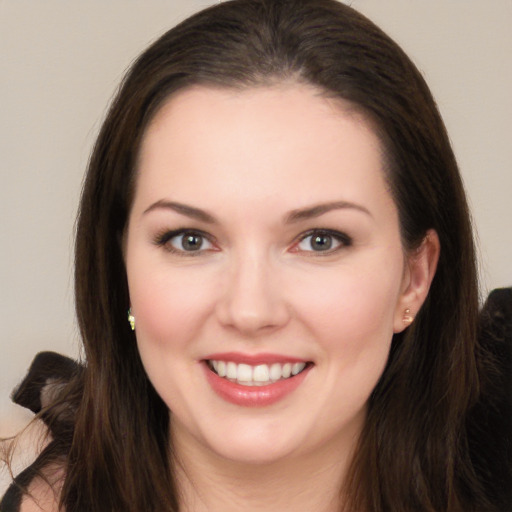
259 375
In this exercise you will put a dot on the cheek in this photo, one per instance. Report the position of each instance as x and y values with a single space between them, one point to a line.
353 307
169 306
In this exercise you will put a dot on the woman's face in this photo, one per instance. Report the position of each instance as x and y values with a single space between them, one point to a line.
263 242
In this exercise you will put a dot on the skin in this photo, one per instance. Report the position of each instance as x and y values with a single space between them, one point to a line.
44 492
251 159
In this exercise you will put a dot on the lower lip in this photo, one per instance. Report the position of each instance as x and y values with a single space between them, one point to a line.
253 396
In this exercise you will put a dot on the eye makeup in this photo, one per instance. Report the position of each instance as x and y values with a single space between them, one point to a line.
185 241
321 242
190 242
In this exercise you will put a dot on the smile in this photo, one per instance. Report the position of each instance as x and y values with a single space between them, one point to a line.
255 375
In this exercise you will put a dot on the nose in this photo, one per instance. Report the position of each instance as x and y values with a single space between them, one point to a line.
253 299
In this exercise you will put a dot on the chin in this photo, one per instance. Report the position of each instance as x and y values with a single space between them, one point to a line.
254 453
249 442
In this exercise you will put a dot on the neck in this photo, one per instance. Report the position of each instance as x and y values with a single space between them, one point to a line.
302 483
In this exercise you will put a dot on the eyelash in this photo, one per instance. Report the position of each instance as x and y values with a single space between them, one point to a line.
163 239
342 239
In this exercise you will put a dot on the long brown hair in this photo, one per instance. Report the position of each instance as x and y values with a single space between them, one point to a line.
412 453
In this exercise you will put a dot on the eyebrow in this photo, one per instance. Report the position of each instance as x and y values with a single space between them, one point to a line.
319 209
292 217
183 209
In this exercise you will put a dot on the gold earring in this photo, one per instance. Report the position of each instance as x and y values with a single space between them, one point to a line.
407 318
131 319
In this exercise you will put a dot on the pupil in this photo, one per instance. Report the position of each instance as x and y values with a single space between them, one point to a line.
321 242
191 242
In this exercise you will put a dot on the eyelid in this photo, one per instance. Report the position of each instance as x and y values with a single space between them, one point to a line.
343 239
163 238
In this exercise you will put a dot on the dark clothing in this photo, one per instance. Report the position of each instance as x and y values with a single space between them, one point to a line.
489 423
46 371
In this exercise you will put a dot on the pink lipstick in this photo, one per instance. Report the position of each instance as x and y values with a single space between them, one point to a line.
254 380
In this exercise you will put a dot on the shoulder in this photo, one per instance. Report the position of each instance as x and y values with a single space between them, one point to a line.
42 495
44 492
52 390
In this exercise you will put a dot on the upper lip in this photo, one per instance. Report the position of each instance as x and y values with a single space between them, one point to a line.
254 359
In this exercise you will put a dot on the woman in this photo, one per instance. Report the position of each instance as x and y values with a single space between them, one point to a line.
273 203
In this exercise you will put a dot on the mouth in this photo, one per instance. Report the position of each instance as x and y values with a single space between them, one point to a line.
256 375
255 380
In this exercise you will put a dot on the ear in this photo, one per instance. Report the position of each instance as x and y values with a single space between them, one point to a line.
420 268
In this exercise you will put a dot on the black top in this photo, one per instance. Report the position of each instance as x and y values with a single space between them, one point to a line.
489 422
48 370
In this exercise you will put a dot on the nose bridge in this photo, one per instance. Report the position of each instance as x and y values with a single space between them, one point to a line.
252 299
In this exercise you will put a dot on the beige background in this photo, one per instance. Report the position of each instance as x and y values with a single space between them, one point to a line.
60 63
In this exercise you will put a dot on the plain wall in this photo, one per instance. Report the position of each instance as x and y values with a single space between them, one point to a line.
60 64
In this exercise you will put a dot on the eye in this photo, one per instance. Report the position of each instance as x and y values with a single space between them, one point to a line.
185 241
326 241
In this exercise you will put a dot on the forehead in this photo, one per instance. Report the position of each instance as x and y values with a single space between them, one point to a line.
283 101
287 139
